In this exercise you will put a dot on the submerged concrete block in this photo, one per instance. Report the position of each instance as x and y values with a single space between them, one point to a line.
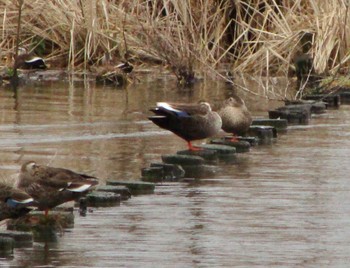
21 239
152 174
332 101
161 172
135 187
345 97
199 171
102 199
294 114
44 228
6 246
123 191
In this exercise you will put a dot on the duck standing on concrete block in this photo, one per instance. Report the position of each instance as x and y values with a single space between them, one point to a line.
14 202
50 186
188 121
236 118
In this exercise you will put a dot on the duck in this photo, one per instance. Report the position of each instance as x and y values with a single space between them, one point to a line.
235 116
192 121
109 73
125 67
51 186
25 60
14 203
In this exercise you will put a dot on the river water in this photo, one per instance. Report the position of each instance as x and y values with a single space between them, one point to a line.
281 205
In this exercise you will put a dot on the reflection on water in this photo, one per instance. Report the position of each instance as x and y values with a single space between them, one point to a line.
282 205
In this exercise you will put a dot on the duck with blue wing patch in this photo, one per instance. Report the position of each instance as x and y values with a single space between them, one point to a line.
14 202
51 186
188 121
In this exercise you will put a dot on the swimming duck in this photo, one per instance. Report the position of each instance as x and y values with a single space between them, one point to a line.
188 121
236 118
14 202
51 186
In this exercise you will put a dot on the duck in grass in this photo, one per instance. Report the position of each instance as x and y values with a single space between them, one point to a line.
14 202
50 186
236 118
25 60
188 121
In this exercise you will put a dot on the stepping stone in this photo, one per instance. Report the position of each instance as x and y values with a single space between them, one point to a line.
44 228
316 107
161 172
152 174
294 114
135 187
345 97
220 149
123 191
6 246
21 239
241 146
332 101
280 125
264 134
208 155
183 159
199 171
102 199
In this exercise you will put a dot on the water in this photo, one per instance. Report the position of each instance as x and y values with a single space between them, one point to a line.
281 205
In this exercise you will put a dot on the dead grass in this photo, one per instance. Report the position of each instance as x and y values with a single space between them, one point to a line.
261 37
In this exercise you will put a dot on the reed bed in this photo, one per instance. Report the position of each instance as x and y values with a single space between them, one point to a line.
260 37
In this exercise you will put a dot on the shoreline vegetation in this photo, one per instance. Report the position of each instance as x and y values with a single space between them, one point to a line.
261 37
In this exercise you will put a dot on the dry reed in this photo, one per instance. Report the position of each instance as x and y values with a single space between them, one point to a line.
260 37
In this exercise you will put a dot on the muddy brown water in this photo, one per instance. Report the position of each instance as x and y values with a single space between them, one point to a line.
281 205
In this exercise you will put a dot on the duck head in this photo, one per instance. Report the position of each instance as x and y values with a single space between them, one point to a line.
29 167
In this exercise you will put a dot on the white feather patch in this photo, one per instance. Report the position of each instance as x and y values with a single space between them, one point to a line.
28 200
120 65
167 106
34 59
80 188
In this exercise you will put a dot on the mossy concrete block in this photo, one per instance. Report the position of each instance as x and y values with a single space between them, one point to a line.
102 199
332 101
135 187
170 172
220 149
45 233
316 107
345 97
265 134
183 159
251 140
294 114
278 124
240 145
21 239
44 228
123 191
6 245
64 217
199 171
152 174
208 155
